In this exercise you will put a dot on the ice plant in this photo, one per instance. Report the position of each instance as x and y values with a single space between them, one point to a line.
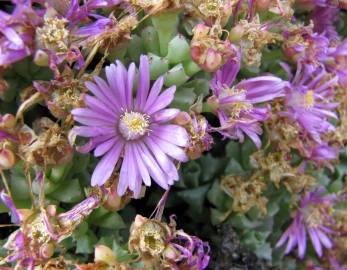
312 218
135 129
309 100
237 105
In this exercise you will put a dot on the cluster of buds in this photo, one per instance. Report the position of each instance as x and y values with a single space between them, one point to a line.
245 194
208 50
41 230
211 11
49 147
159 243
8 142
252 37
200 139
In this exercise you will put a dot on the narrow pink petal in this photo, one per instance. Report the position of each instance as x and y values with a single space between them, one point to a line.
100 95
123 183
88 113
98 106
164 115
152 166
127 174
143 82
86 131
88 121
104 147
141 166
130 84
315 242
155 90
111 75
106 165
172 150
172 133
324 239
163 160
108 93
163 100
121 78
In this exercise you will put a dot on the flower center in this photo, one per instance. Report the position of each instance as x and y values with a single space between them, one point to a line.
133 125
313 217
235 108
53 35
308 99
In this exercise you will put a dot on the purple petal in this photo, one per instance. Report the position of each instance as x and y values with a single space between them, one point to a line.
172 133
143 83
106 166
164 115
8 202
315 241
163 100
155 90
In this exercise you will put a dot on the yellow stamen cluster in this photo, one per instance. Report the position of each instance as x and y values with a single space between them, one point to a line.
53 35
308 99
133 125
235 108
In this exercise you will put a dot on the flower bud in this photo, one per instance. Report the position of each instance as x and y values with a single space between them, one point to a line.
200 30
114 202
213 103
236 33
170 253
262 5
47 250
105 255
8 121
213 60
41 58
183 118
8 157
343 4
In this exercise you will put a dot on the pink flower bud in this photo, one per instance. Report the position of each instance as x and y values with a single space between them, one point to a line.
262 5
183 118
213 60
47 250
105 255
200 30
213 103
236 33
7 158
41 58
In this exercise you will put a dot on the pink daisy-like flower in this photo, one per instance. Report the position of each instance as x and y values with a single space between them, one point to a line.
134 130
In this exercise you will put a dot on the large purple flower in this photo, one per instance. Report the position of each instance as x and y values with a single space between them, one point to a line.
309 100
237 105
135 129
313 218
